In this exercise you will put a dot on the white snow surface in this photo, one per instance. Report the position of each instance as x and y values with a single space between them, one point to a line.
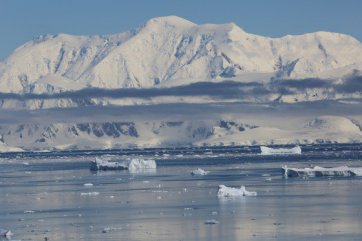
268 130
199 172
230 192
5 148
172 51
322 171
280 151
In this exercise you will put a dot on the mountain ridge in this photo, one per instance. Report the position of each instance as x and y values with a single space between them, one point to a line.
171 51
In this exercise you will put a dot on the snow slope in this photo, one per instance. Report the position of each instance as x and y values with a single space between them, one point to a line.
172 51
322 129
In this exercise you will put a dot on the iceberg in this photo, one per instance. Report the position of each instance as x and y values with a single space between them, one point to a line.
141 166
211 221
132 165
230 192
280 151
343 171
104 165
5 233
89 194
199 172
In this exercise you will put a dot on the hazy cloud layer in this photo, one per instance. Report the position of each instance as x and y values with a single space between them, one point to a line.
226 89
217 90
180 111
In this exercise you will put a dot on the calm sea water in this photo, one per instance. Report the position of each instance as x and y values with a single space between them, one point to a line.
42 195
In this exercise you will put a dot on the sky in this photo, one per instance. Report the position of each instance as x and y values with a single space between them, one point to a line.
22 20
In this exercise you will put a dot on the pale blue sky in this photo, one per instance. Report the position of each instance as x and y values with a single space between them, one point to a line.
21 20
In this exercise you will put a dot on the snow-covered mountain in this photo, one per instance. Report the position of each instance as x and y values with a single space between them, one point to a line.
170 60
171 51
322 129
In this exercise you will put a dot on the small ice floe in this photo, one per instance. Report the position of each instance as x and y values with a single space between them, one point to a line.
133 165
110 229
211 221
230 192
317 171
29 211
280 151
89 193
5 233
199 172
88 184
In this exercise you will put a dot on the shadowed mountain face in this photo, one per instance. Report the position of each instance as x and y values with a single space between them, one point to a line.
172 51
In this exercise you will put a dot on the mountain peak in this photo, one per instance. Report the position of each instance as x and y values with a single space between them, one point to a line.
170 21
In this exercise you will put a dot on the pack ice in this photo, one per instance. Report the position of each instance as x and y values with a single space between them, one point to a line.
317 171
230 192
280 151
131 165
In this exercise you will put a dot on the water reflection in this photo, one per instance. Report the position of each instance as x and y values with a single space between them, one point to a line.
170 204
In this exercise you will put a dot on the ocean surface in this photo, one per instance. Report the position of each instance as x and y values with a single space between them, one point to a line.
43 196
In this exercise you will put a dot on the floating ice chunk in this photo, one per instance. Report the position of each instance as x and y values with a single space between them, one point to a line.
29 211
89 194
317 171
5 233
104 165
199 172
280 151
110 229
230 192
211 221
